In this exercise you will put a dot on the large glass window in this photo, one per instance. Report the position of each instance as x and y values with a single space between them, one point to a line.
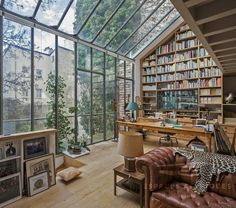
16 77
44 66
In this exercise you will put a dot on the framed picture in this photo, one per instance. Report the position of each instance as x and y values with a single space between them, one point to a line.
1 153
10 190
10 149
38 183
42 164
34 147
8 167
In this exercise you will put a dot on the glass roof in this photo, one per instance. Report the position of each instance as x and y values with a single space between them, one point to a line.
125 27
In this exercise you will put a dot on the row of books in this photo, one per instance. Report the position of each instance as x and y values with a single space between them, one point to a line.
210 92
186 44
186 34
166 48
149 70
184 27
168 86
147 63
213 82
165 68
148 79
203 52
186 55
186 84
165 59
148 87
206 62
165 77
186 65
210 100
187 75
151 57
149 94
209 72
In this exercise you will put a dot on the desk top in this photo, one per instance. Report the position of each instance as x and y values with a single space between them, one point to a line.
156 126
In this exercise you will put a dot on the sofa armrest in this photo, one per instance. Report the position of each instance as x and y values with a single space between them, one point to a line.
158 166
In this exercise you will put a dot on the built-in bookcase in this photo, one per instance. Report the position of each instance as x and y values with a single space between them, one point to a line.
180 75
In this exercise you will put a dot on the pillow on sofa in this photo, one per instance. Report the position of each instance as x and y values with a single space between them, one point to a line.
69 173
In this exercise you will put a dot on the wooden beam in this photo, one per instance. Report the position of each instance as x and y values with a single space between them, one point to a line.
225 56
219 26
222 38
226 53
214 11
224 47
228 60
229 64
192 3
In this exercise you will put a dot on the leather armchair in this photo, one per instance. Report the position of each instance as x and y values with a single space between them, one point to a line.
169 182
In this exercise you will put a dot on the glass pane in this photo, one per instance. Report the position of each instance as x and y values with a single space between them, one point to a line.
98 61
98 128
110 96
66 86
155 32
133 23
98 108
84 104
76 15
146 27
128 91
44 64
121 98
120 68
129 70
117 21
50 12
84 57
16 77
99 17
22 7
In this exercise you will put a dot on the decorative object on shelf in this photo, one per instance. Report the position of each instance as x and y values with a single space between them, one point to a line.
132 107
34 147
41 164
38 183
69 173
8 167
197 145
10 190
130 145
230 98
10 149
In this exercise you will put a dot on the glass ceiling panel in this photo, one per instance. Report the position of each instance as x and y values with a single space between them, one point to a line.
146 27
117 21
50 11
133 23
76 15
22 7
172 16
99 17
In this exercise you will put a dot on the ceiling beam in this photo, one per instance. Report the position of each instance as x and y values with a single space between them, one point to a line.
222 38
219 26
228 60
192 3
224 47
213 11
223 55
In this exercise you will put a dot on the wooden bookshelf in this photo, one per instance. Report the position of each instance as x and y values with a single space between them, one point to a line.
184 78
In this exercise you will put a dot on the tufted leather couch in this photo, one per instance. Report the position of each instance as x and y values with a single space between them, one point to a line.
169 182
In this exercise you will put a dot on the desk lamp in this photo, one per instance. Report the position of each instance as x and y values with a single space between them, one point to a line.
130 145
132 107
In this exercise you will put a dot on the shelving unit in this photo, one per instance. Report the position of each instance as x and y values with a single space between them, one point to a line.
184 78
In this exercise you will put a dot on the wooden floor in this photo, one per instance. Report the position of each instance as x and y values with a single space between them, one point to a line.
94 189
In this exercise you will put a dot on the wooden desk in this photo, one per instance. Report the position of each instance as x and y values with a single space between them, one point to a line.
154 126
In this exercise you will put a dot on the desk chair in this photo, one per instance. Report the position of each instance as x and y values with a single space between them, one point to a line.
169 135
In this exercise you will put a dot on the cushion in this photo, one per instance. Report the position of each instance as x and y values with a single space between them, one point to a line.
69 173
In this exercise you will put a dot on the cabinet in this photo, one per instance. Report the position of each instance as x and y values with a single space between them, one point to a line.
183 76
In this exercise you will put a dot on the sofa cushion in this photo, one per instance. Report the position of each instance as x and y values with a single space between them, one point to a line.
182 195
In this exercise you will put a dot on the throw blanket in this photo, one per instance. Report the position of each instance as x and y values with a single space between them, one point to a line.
207 164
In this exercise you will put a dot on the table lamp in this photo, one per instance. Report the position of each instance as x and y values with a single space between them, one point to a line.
130 145
132 107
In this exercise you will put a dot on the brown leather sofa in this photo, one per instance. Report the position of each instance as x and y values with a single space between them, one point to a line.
169 182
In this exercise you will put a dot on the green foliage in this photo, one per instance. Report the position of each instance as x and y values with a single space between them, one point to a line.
64 129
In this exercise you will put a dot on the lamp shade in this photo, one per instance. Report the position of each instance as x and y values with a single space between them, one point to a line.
130 144
132 106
